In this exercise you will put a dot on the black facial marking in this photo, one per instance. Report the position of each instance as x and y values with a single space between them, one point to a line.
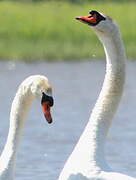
46 98
99 17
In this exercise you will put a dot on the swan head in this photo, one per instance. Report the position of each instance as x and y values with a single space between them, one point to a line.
101 23
38 86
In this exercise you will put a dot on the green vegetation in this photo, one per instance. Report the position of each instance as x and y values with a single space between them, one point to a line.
47 30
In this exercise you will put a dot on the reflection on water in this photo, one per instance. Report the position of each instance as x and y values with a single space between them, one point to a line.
45 148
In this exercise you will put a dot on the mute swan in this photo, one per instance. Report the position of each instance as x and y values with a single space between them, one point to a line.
87 161
32 87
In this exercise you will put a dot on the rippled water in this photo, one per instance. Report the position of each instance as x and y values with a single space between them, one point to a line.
45 148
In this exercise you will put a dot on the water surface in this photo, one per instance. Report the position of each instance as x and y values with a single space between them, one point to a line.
44 148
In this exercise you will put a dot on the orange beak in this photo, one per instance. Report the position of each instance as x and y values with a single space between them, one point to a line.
90 19
46 111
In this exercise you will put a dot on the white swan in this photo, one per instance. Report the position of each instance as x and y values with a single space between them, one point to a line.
32 87
87 161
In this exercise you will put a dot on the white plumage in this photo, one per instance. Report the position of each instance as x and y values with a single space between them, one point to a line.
30 88
87 161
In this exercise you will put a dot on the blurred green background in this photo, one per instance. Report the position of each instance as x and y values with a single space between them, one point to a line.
46 30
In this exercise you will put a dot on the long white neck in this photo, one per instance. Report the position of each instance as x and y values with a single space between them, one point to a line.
19 110
90 148
109 98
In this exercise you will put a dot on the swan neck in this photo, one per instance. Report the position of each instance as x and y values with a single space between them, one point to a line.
114 49
110 95
19 109
91 143
90 147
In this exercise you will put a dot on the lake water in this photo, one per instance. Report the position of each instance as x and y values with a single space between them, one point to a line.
45 148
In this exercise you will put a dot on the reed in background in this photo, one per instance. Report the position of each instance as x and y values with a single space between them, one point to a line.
47 30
